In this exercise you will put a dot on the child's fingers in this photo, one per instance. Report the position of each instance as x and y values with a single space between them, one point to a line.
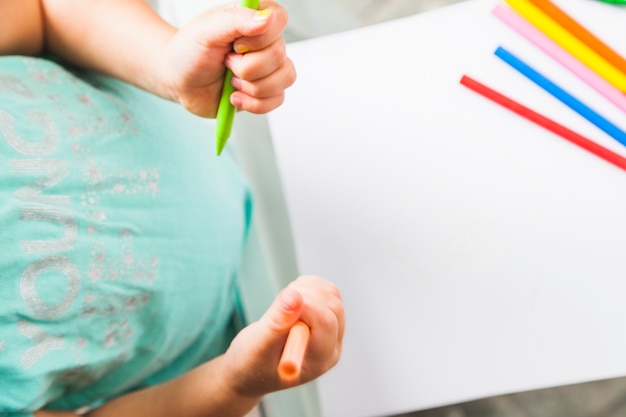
283 313
276 18
258 64
228 26
268 86
263 95
324 313
256 105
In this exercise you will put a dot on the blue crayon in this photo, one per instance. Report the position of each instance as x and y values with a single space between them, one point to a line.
572 102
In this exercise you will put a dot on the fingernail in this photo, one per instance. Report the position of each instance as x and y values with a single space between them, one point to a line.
236 101
262 14
241 49
289 300
236 82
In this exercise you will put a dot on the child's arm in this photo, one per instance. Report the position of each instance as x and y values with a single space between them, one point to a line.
199 393
128 40
232 384
25 35
122 38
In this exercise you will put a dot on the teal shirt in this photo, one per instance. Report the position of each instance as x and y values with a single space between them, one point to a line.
121 235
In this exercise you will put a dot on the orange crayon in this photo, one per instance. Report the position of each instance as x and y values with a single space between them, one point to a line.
579 31
293 353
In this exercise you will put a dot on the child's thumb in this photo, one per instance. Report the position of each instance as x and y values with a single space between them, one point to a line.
234 23
284 312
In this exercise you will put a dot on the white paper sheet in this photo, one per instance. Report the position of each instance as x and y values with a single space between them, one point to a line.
477 253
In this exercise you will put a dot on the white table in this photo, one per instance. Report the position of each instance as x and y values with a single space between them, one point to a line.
477 253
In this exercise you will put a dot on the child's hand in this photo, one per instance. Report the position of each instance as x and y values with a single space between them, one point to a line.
194 59
251 362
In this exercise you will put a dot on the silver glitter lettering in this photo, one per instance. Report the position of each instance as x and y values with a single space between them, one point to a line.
41 214
54 171
44 343
43 147
9 83
28 287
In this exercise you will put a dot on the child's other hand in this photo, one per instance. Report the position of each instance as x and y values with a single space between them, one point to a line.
251 362
194 59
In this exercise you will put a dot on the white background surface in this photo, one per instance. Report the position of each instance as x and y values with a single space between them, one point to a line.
477 253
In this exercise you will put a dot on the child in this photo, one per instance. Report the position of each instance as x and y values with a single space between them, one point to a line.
97 178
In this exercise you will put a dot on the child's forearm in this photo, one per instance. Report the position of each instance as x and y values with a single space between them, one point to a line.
21 27
128 40
199 393
121 38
